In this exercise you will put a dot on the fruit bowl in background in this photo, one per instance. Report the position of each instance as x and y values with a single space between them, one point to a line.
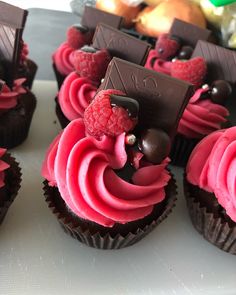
149 19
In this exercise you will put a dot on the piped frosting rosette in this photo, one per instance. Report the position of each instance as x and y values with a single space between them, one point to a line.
8 97
82 168
63 58
201 116
212 167
75 95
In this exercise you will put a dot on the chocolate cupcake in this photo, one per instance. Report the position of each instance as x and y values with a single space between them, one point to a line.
90 64
209 186
17 101
10 179
106 176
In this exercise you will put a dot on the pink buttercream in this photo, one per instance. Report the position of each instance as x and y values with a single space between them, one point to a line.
212 167
83 170
8 97
3 167
159 65
201 116
63 59
75 95
24 52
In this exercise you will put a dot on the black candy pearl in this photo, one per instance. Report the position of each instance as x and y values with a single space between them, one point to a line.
155 145
220 91
185 52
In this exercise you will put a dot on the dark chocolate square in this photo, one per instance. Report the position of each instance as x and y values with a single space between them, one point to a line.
189 33
120 44
162 99
93 16
221 62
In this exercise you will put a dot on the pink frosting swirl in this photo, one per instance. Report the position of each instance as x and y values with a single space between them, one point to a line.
82 167
157 64
63 58
201 116
24 52
75 95
8 97
212 167
3 167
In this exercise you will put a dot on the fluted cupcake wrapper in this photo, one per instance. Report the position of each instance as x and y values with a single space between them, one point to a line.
61 117
78 229
181 149
59 77
12 185
215 229
14 128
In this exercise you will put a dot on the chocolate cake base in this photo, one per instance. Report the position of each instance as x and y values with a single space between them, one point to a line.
12 185
28 71
15 123
181 149
209 218
61 117
59 77
120 235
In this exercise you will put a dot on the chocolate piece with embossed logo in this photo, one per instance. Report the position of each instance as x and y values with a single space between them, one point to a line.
221 62
120 44
12 21
93 16
161 98
188 33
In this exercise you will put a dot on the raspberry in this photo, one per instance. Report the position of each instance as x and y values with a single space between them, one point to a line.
91 63
77 36
102 116
167 46
192 70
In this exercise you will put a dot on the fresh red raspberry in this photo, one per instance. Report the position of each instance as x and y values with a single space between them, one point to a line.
193 70
103 117
77 36
167 46
91 63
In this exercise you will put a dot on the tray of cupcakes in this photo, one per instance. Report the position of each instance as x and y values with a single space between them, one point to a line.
128 113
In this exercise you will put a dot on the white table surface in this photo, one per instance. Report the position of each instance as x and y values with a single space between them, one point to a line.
37 257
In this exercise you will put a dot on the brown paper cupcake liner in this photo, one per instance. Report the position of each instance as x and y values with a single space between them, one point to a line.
15 124
61 117
210 219
59 77
117 237
181 149
12 185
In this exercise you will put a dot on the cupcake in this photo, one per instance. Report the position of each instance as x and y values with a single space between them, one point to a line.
10 179
17 101
14 51
206 111
90 64
77 36
106 175
209 186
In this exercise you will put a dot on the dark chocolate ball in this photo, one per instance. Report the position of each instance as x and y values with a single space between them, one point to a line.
185 52
155 145
220 91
